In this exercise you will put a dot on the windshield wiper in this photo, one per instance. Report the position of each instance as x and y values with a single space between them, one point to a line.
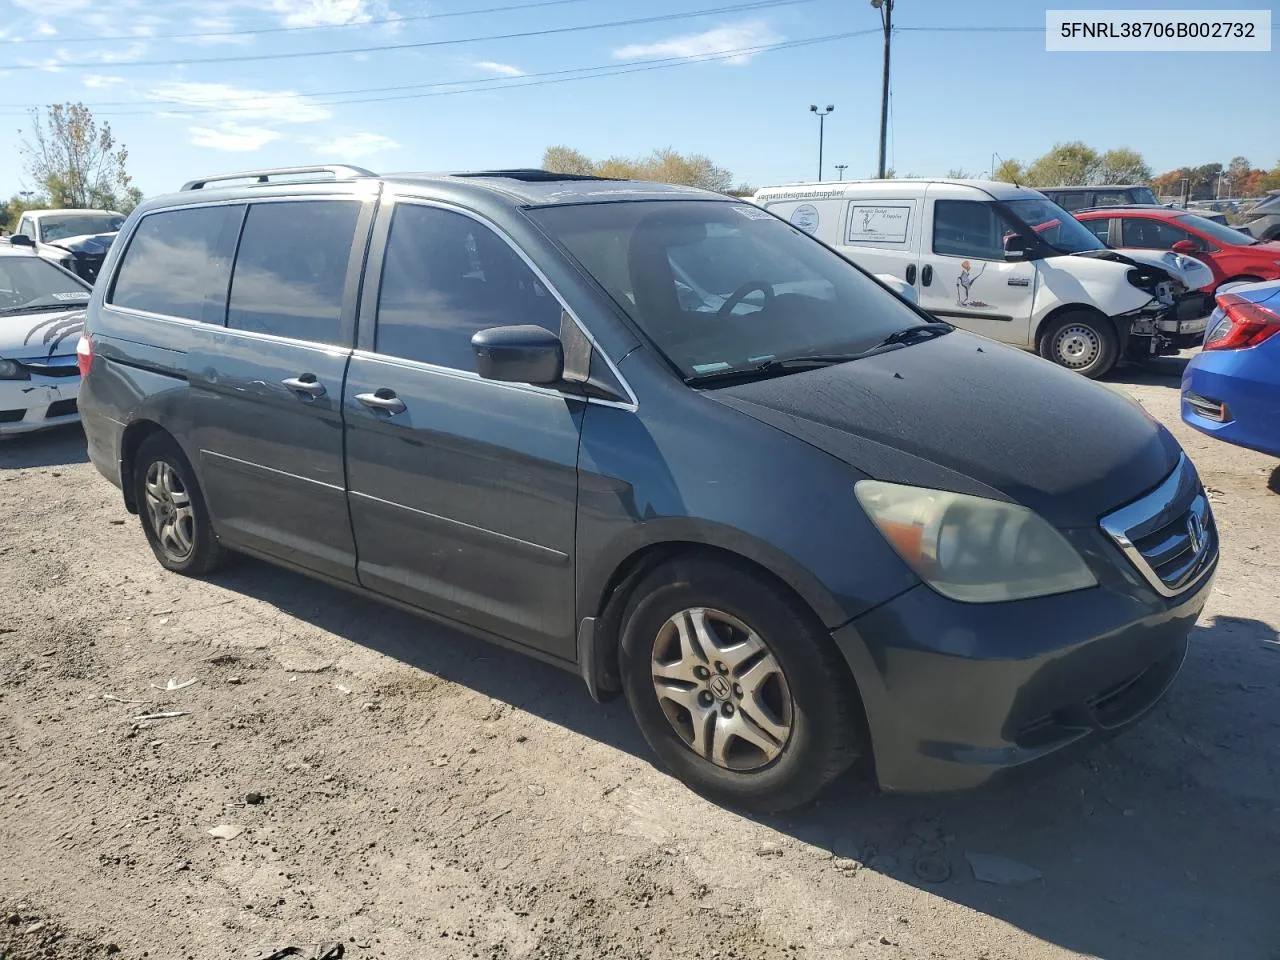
45 306
772 367
919 331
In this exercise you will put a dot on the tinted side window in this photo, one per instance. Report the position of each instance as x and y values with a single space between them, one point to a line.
291 269
179 262
1098 226
1071 201
1153 234
1111 198
967 228
446 276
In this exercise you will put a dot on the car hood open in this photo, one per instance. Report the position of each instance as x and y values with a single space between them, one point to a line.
966 414
44 333
1190 272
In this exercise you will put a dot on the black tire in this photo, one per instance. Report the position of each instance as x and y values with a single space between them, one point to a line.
206 554
1082 341
826 720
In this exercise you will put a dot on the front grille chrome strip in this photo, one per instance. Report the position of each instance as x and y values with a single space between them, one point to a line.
1176 526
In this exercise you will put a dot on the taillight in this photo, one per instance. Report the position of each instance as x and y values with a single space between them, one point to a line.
84 354
1244 324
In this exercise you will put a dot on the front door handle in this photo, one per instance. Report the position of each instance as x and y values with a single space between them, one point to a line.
926 274
383 399
911 274
306 385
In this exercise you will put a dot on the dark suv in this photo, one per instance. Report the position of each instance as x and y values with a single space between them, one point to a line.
659 437
1072 199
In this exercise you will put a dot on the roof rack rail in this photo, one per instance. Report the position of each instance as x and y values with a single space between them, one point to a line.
264 176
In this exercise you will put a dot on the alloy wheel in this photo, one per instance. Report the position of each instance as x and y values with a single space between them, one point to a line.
722 689
170 511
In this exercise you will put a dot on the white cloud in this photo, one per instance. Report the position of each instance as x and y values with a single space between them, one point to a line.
232 137
355 146
53 8
501 69
233 103
316 13
46 29
720 40
216 25
98 80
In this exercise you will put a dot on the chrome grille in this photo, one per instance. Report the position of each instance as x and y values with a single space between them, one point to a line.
1169 534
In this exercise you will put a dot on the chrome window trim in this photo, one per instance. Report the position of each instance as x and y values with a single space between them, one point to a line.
631 404
1120 523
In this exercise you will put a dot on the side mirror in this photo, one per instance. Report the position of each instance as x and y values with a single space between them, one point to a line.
1015 247
1188 247
21 240
519 354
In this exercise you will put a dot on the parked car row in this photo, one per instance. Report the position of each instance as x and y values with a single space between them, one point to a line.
1008 263
669 441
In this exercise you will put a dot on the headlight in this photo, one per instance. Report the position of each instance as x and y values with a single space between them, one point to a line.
970 548
12 370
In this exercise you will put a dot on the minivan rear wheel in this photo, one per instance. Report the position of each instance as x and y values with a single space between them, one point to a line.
1081 341
736 686
174 516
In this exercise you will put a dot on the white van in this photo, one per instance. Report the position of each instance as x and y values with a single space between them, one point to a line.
1008 263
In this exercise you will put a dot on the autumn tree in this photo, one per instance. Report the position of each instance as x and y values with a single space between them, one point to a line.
1067 164
1010 171
1123 165
665 166
76 162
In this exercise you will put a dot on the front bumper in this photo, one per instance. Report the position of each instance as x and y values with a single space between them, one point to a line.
38 404
957 695
1247 385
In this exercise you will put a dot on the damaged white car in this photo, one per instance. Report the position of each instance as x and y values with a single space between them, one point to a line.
41 317
76 240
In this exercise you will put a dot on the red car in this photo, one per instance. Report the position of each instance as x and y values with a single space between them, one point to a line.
1229 253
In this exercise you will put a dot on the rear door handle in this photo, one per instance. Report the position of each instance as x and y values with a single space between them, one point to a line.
926 274
306 384
382 399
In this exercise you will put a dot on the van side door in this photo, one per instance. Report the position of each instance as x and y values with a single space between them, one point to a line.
463 491
265 404
964 275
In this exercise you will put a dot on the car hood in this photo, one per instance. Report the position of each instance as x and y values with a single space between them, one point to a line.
1189 271
87 245
969 415
44 333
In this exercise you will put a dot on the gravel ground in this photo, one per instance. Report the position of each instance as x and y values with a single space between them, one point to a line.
417 794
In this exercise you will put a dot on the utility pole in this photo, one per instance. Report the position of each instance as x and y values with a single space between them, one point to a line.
886 18
842 167
822 121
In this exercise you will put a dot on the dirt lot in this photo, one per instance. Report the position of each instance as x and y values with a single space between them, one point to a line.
425 795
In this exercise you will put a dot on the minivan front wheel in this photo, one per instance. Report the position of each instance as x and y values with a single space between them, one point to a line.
1081 341
736 687
172 509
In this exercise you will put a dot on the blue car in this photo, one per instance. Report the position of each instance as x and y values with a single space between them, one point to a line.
1232 389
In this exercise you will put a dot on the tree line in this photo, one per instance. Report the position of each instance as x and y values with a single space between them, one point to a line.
1076 163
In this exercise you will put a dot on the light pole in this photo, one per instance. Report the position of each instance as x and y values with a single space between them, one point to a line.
886 19
842 167
822 121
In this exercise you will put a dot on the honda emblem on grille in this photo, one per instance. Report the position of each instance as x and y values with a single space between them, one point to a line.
1195 532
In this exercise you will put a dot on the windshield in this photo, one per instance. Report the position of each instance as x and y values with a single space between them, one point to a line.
53 229
1053 225
724 286
1217 232
29 283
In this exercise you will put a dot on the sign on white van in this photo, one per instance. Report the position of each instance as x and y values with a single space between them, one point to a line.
879 223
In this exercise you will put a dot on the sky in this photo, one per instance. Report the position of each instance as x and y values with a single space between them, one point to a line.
442 85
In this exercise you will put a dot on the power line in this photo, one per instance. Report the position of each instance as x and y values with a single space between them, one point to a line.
380 48
530 80
373 22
